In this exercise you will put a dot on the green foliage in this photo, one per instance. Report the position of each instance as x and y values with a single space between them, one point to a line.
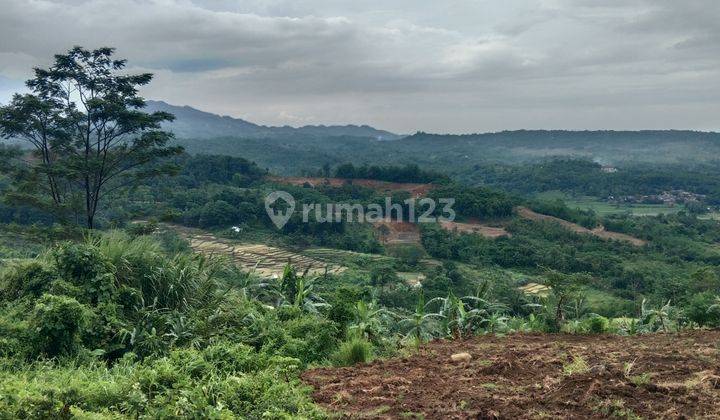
26 278
597 324
407 173
703 309
85 267
352 352
57 322
84 121
222 381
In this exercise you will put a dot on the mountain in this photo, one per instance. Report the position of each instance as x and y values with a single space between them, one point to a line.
192 123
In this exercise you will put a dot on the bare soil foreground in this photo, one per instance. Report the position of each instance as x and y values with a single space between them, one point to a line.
534 376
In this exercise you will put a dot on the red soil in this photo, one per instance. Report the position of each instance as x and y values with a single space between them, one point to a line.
599 231
527 376
475 227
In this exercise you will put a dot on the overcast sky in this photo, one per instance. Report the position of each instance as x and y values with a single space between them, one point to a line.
453 66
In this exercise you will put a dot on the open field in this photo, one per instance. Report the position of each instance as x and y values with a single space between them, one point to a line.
397 233
476 228
534 376
598 231
604 208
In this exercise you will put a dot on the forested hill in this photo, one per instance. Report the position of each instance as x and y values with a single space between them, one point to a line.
193 123
453 154
607 147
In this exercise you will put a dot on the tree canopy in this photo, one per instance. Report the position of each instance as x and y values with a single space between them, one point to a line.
88 132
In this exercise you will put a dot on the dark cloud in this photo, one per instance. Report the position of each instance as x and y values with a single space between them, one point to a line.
455 66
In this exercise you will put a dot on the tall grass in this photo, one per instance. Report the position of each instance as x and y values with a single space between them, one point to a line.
354 351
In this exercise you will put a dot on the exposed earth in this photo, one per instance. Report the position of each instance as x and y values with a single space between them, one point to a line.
600 231
534 376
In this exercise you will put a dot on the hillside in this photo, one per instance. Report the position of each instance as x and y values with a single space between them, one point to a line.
289 151
195 124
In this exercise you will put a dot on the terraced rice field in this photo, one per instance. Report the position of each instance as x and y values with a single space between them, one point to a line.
267 261
535 289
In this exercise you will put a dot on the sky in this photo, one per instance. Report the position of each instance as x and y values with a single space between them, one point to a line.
441 66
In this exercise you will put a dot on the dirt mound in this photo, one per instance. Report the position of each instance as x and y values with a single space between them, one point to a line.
477 228
600 232
534 376
417 190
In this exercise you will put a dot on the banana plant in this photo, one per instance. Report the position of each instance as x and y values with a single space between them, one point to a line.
369 320
662 314
421 325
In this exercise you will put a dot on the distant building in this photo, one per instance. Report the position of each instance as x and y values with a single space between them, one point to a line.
608 169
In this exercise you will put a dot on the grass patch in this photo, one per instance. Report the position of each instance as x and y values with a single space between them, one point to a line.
577 366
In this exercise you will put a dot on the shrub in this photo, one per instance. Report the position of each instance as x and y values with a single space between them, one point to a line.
597 324
352 352
308 338
31 278
700 309
141 228
57 322
84 266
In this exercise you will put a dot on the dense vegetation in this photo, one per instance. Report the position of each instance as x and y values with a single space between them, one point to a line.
407 173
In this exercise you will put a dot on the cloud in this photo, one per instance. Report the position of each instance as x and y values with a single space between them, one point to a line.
455 66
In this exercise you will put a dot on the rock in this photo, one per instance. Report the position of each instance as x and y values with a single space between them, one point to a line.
461 357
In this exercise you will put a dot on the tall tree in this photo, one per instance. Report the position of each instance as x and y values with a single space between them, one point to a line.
89 135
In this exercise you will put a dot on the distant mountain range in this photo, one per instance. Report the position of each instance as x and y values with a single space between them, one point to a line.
191 123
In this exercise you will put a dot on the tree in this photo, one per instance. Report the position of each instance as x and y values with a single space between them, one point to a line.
565 288
382 275
84 120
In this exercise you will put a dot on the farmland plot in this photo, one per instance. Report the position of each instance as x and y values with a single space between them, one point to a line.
267 261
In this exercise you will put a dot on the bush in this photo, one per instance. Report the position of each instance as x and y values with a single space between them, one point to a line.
597 324
698 310
84 266
352 352
141 228
57 322
31 279
308 338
